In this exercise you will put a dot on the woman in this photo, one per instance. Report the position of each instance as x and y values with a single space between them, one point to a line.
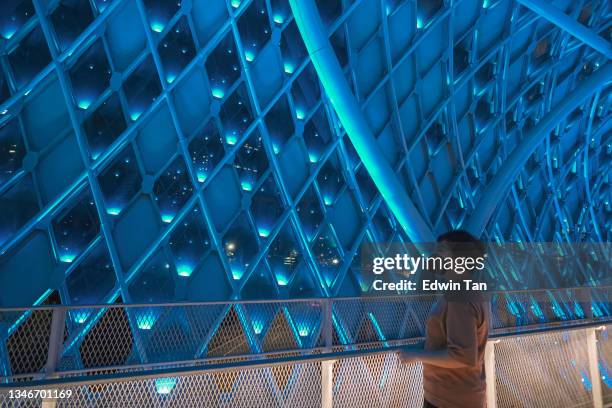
456 336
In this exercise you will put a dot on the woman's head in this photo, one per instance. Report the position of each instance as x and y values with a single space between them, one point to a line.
461 243
458 244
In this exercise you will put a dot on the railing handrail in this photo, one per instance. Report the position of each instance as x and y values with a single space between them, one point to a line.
280 301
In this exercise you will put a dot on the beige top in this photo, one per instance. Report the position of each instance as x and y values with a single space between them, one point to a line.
463 328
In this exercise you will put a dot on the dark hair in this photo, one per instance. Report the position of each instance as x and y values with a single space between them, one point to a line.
462 243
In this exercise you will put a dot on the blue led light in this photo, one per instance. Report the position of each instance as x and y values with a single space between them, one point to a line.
184 270
165 386
263 232
113 210
157 27
237 272
258 326
84 104
167 218
218 93
231 139
67 258
79 316
8 32
246 185
281 279
146 319
288 68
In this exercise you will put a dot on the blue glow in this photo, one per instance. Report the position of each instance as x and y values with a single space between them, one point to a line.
419 22
263 232
9 32
281 279
67 258
535 308
84 104
288 68
135 115
231 139
578 310
113 210
363 285
586 383
341 335
595 308
604 376
235 3
313 158
299 113
278 19
79 316
557 308
237 272
157 27
167 218
146 319
377 327
246 185
258 326
303 329
201 176
165 385
170 78
485 4
249 56
275 148
184 270
218 93
328 200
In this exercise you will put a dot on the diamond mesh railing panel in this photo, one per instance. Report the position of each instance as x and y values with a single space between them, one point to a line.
604 351
543 370
247 388
7 402
377 381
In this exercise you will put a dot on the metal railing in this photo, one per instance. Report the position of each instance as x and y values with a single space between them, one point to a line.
215 345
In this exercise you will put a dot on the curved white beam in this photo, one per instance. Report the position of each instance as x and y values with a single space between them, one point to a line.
342 99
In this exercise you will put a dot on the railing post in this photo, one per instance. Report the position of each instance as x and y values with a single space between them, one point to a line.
56 339
327 324
327 367
489 361
591 339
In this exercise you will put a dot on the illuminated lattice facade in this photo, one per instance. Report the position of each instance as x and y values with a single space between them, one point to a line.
159 151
